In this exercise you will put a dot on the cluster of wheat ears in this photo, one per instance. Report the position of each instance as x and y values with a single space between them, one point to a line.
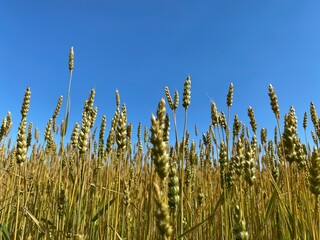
230 185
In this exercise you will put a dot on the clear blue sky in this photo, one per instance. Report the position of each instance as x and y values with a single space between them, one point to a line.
139 47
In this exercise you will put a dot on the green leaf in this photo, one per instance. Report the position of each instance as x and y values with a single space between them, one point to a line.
102 210
4 232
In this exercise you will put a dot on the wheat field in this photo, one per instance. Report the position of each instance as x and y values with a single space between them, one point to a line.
102 185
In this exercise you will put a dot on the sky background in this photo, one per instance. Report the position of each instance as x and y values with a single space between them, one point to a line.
139 47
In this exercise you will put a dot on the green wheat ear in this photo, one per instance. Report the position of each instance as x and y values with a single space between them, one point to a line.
223 160
117 99
121 132
239 229
176 100
101 152
214 114
274 102
314 171
292 147
162 214
84 134
26 103
159 153
64 126
166 129
263 136
71 59
314 179
230 95
173 185
29 135
305 120
58 107
168 96
21 152
249 166
314 115
55 114
140 147
75 136
6 126
186 93
253 122
22 145
222 120
236 126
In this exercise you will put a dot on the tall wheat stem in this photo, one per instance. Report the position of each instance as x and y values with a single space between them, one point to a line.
18 204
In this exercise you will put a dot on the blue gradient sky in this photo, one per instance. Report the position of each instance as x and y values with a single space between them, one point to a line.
139 47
